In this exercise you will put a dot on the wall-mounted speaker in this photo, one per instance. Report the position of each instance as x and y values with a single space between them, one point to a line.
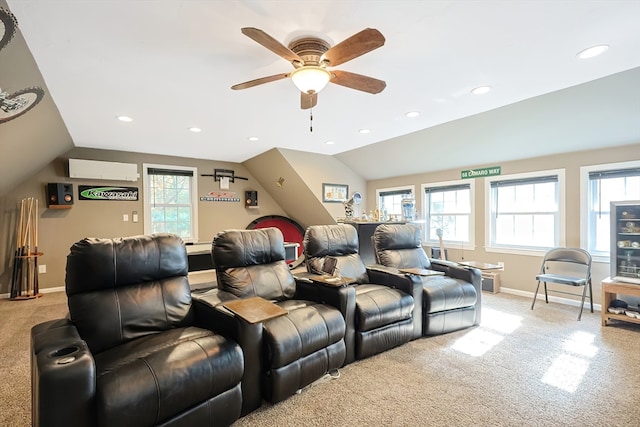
59 195
251 199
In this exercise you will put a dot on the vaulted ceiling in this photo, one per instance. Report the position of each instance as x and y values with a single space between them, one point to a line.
170 65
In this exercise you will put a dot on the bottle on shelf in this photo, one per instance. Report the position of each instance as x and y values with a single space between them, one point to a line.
384 216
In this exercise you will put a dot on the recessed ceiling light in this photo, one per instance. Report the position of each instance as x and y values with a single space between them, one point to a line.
195 129
412 114
253 138
329 142
593 51
364 131
124 118
481 90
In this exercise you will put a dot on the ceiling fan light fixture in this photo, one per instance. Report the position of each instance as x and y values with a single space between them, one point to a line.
310 79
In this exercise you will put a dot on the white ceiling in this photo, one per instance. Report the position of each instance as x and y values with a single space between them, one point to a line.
170 65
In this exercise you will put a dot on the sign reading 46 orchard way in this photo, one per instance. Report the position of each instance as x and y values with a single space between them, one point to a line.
480 173
88 192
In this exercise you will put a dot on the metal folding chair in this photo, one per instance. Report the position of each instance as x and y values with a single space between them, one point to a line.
570 256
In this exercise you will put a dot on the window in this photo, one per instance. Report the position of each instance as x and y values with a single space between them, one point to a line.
448 206
170 201
526 211
601 185
391 199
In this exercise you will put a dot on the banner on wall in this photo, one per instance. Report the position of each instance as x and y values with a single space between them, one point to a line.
90 192
480 173
220 196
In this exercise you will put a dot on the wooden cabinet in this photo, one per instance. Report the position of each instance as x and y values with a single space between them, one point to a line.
610 289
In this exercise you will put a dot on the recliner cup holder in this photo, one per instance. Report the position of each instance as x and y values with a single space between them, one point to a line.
65 354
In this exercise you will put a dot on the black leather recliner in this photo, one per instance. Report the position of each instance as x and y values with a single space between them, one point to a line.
382 314
131 353
449 302
284 354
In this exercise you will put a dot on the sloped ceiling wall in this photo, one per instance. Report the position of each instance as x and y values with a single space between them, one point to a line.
301 195
29 142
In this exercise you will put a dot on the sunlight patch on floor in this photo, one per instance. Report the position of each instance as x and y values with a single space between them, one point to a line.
494 327
499 321
568 368
477 342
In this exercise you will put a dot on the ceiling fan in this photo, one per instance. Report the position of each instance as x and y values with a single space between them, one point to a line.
311 57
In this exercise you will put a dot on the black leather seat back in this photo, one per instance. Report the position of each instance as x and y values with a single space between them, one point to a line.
125 288
253 263
339 241
399 246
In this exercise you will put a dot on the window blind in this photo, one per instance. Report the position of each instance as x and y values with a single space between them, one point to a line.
524 181
174 172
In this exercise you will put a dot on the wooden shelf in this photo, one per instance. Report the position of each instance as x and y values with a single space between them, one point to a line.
610 289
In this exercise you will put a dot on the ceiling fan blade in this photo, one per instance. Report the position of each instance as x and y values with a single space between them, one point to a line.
262 80
356 45
308 100
357 81
272 44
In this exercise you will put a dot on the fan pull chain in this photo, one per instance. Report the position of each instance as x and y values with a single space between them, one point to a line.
311 120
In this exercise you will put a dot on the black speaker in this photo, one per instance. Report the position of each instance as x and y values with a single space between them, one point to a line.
251 199
59 194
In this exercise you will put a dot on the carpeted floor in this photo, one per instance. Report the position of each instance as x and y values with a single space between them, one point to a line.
519 368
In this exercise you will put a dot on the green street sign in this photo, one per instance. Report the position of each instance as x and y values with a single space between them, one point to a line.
480 173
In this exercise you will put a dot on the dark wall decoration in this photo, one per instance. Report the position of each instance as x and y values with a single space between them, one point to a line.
13 105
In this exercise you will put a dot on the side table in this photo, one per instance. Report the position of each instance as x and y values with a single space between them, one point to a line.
490 275
609 290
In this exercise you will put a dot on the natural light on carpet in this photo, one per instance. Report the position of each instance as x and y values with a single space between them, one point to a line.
494 327
568 368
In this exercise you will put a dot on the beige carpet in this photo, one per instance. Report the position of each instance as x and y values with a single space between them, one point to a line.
519 368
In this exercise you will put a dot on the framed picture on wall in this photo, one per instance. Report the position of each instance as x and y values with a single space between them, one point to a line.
334 193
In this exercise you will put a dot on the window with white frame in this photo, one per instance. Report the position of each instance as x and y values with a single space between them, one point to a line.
448 207
526 211
601 185
171 200
391 199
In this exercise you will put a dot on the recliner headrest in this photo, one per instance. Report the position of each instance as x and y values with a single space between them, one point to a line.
240 248
397 236
97 263
335 240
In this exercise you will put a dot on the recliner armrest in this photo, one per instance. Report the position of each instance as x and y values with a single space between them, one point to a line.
407 283
341 297
63 376
457 271
468 274
212 315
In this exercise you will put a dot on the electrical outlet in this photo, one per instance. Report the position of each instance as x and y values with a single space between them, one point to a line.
134 216
42 268
501 264
125 217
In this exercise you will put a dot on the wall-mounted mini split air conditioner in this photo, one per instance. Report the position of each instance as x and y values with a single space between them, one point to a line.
94 169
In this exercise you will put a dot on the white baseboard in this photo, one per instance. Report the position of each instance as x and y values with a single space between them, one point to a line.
42 291
552 298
